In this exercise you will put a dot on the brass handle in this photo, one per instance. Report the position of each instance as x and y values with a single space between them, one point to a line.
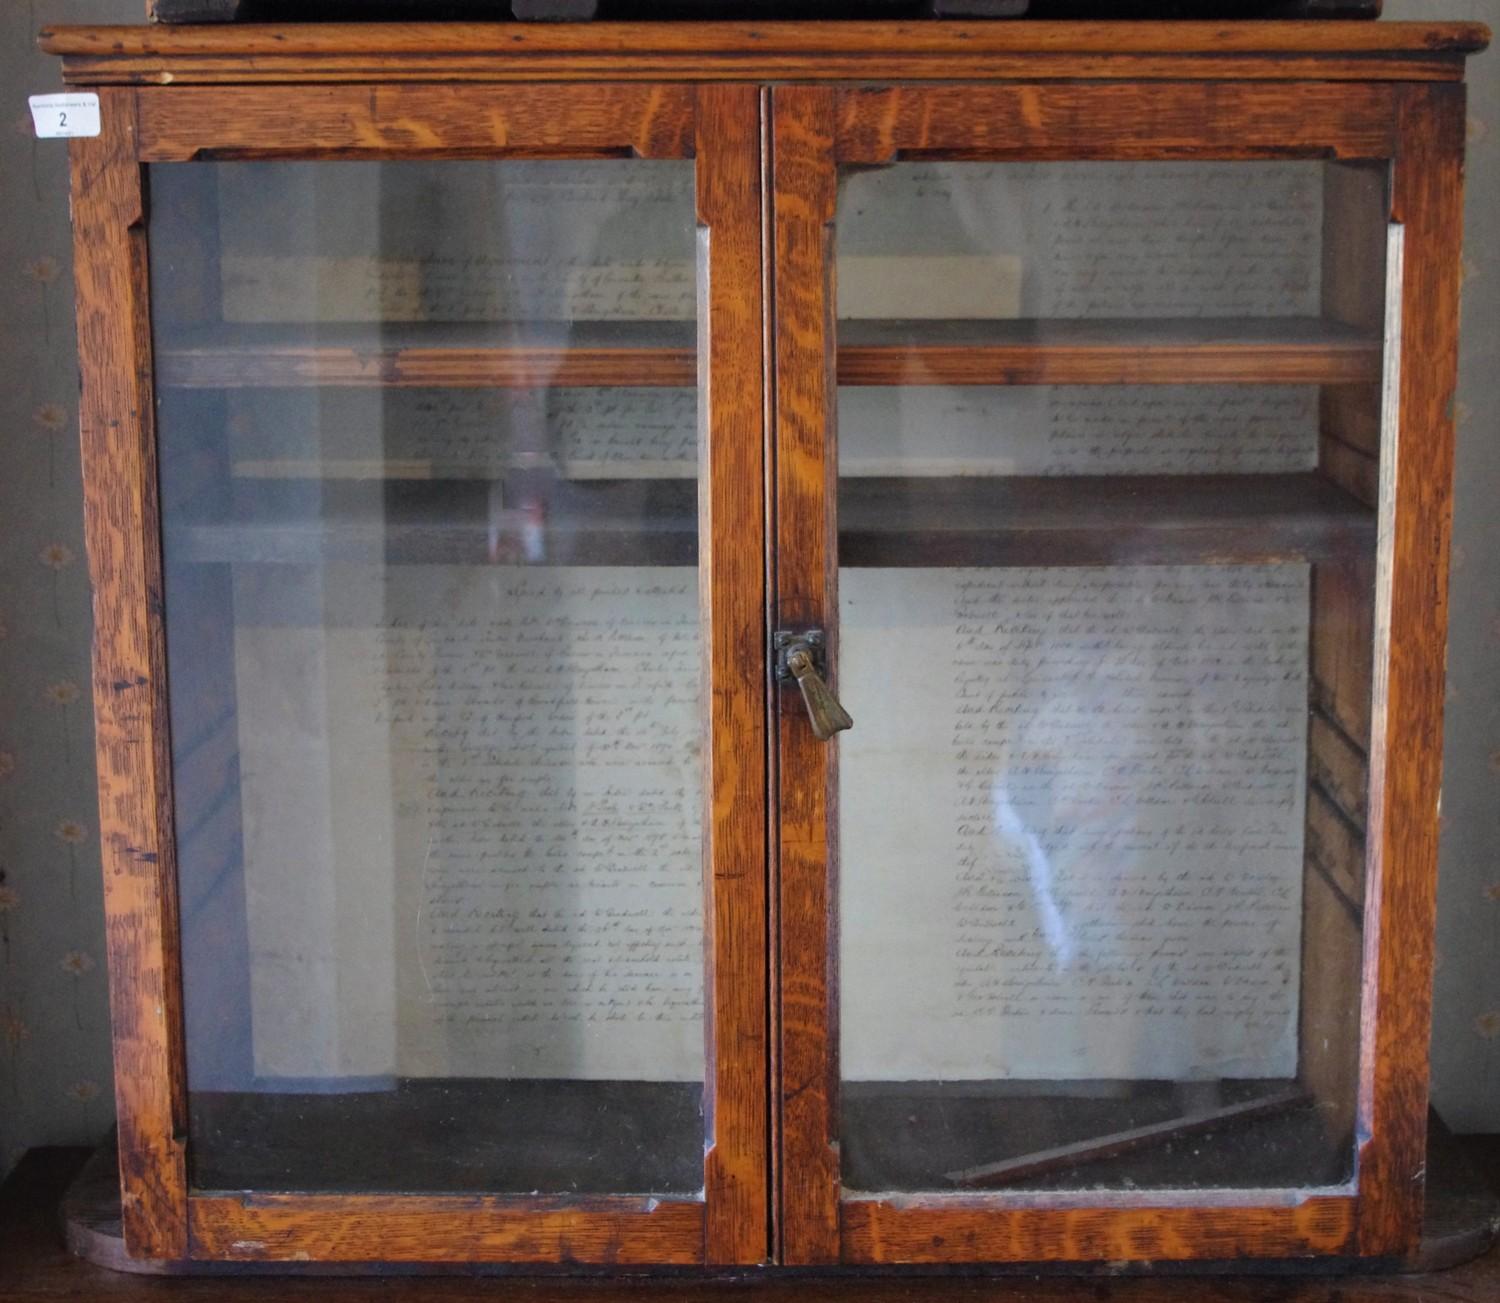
823 709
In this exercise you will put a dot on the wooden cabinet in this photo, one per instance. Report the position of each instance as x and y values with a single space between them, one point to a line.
465 512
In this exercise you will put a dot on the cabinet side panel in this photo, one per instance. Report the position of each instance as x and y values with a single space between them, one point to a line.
1408 691
803 167
732 534
1356 213
120 511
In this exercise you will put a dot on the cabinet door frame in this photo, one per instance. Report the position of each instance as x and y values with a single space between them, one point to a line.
718 126
1418 131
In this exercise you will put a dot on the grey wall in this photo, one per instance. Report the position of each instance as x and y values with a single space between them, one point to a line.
54 1024
54 1036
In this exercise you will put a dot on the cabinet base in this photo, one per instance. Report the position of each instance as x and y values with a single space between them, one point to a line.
1462 1223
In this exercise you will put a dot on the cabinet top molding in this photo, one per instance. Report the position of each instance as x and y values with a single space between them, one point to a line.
785 51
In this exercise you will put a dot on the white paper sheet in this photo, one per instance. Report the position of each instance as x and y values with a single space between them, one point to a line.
472 811
1093 866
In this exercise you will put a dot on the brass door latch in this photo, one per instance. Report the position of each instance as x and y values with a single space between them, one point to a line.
800 658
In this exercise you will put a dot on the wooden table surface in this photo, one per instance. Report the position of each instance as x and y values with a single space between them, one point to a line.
35 1266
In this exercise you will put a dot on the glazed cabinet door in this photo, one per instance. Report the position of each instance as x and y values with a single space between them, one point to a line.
423 434
1105 932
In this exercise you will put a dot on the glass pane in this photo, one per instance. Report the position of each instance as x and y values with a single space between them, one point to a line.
427 457
1106 624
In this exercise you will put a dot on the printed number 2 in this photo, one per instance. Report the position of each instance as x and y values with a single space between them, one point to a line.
62 118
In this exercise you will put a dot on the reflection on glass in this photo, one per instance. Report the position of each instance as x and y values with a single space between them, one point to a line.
943 241
1063 430
434 677
1113 644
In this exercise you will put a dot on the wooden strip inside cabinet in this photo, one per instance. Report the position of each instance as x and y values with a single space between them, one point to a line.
492 876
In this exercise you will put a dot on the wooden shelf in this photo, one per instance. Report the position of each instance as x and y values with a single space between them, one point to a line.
1118 520
432 355
971 521
1297 350
1292 350
450 522
355 543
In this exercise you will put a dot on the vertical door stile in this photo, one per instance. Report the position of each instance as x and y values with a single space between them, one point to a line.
732 575
806 563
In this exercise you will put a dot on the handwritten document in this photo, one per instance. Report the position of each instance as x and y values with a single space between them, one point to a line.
1107 239
472 822
1089 240
521 240
463 433
916 430
1077 430
453 287
1094 870
601 240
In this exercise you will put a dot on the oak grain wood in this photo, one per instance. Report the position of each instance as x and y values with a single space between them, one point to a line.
40 1269
1195 120
1406 751
543 356
732 573
1259 90
412 1228
757 66
1103 352
879 124
697 52
415 121
872 353
132 744
806 562
708 38
984 1230
411 122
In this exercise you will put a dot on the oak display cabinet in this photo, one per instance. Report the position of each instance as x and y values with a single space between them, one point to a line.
483 596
